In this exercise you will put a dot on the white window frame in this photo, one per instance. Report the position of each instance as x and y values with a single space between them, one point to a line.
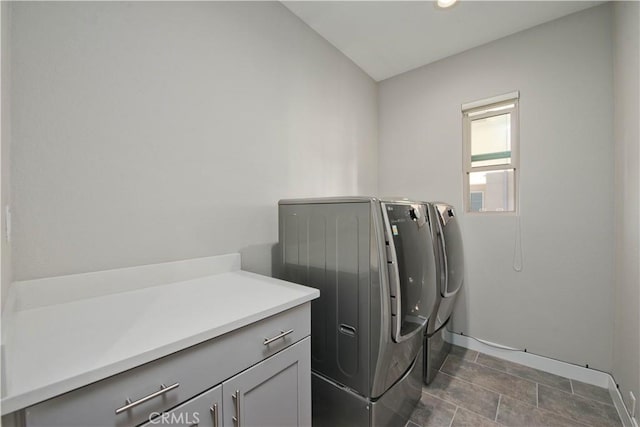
481 110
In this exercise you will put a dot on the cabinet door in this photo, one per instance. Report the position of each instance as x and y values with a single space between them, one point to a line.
274 393
204 410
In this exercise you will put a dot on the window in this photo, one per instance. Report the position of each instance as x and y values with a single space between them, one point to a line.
490 138
477 201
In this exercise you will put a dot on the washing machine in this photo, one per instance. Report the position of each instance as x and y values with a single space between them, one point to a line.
447 241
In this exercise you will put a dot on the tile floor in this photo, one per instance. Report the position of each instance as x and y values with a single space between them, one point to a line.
474 389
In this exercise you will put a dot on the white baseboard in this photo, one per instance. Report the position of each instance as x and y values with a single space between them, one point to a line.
627 421
564 369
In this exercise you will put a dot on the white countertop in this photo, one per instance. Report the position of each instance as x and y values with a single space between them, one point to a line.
52 349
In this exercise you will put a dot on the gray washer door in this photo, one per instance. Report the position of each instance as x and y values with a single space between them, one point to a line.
452 251
416 270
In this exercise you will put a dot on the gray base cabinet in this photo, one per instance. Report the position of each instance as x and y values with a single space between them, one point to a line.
255 376
273 393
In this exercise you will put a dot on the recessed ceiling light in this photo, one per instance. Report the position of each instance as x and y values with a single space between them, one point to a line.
446 3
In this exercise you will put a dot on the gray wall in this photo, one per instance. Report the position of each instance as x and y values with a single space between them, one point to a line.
560 305
626 339
150 132
5 122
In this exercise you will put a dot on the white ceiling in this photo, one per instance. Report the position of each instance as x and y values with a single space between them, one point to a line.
386 38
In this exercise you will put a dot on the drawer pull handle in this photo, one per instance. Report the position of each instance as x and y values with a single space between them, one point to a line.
214 414
283 334
236 398
163 389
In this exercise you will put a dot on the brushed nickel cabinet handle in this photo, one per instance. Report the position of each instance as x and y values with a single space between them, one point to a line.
214 414
163 389
236 398
283 334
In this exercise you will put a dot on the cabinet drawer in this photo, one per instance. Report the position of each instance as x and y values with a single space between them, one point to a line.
194 369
